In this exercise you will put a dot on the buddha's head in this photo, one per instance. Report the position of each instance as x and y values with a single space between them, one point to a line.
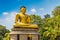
23 9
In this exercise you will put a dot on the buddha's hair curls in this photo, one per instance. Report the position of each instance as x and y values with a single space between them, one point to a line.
22 7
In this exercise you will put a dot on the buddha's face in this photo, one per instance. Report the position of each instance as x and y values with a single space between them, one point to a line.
23 10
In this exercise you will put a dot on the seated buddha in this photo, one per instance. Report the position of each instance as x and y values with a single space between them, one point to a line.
23 20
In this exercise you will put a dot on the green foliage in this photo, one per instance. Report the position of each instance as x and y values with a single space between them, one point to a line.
6 36
47 16
35 19
3 32
56 11
49 26
1 38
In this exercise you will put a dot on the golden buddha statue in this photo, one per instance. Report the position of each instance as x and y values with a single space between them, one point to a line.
23 20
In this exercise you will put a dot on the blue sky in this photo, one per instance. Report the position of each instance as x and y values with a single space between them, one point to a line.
8 9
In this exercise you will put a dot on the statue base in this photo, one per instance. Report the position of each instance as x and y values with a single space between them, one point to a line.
24 34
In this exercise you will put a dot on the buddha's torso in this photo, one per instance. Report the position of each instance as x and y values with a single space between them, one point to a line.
23 21
23 18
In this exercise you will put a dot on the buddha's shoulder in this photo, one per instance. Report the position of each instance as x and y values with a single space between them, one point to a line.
17 14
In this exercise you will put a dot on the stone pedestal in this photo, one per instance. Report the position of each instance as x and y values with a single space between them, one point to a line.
23 34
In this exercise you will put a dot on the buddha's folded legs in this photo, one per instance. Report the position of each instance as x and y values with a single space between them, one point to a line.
25 25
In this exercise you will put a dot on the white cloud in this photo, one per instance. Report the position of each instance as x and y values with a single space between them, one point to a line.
11 16
5 13
8 20
33 10
41 9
